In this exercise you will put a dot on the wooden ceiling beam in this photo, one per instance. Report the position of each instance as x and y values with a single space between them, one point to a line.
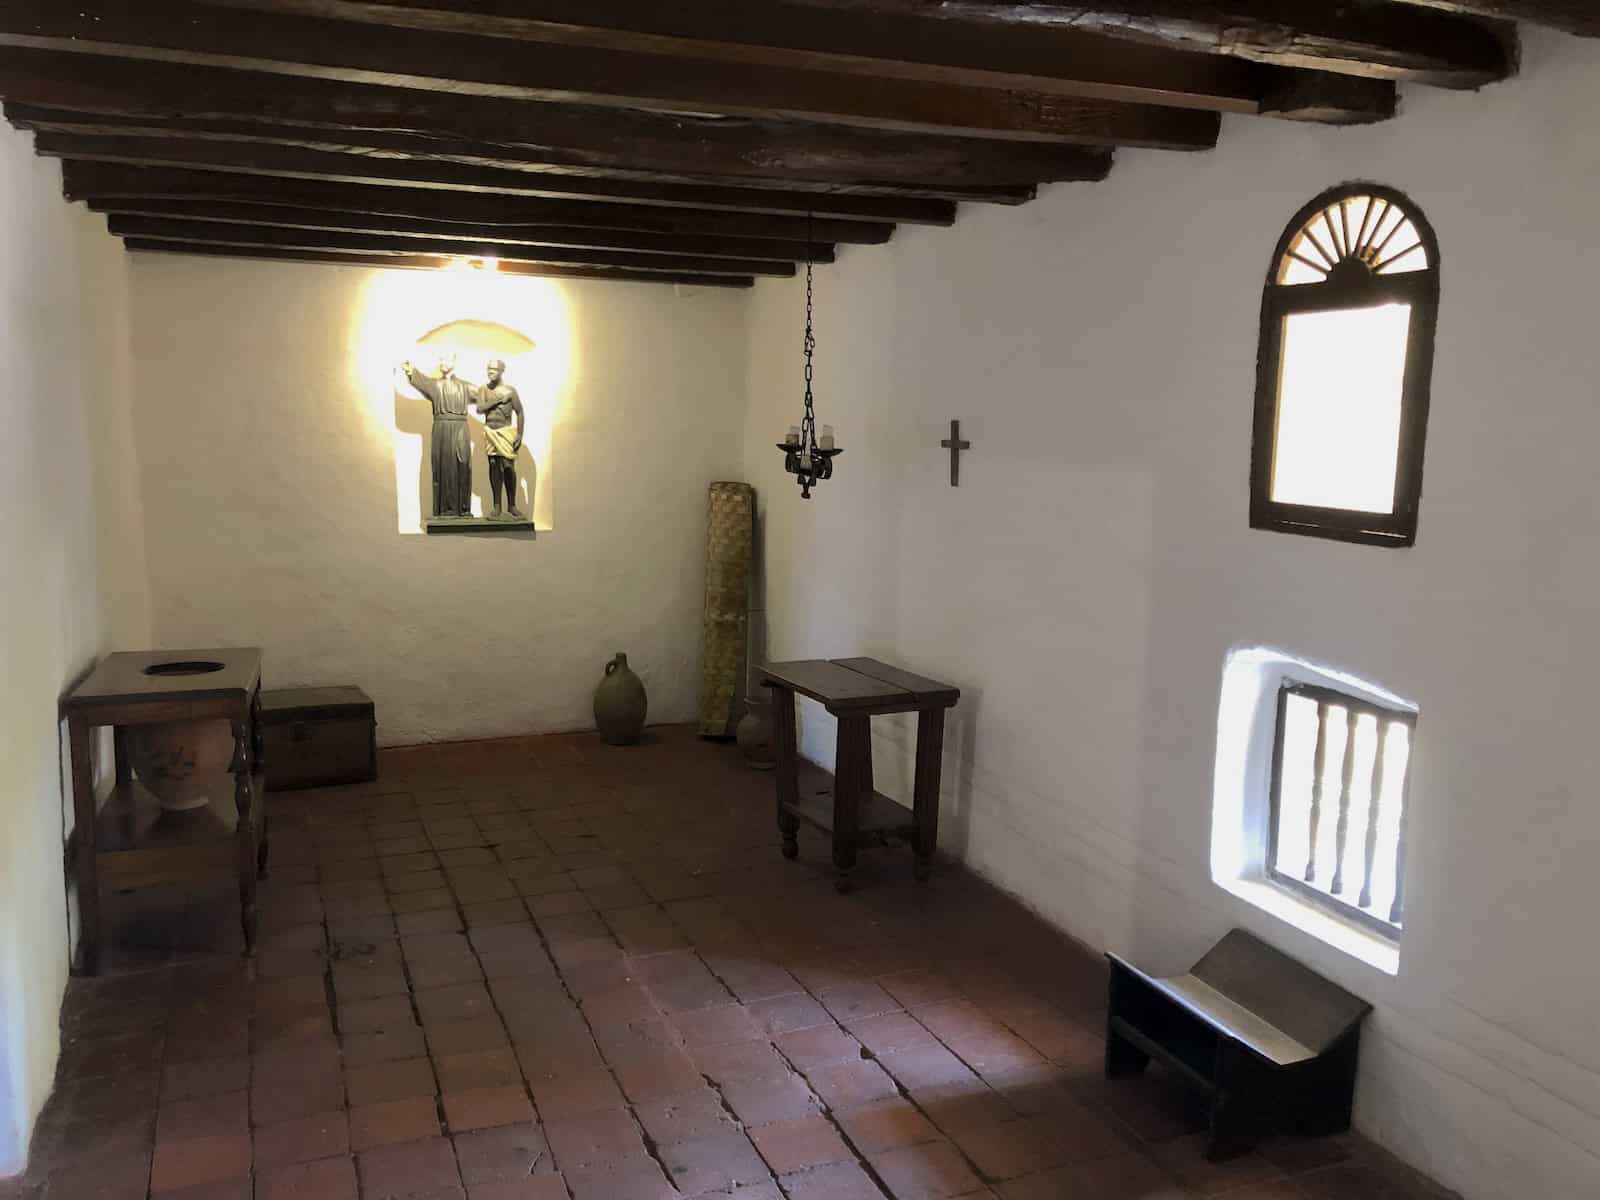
295 162
526 235
417 262
1050 60
1574 16
570 135
216 233
1051 45
1380 39
530 160
194 33
104 182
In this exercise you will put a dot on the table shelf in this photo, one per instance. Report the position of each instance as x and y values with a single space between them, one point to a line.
137 843
133 819
878 817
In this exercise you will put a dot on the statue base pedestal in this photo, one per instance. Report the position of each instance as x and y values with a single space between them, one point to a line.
480 525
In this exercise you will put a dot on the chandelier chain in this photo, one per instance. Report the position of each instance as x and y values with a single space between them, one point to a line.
809 424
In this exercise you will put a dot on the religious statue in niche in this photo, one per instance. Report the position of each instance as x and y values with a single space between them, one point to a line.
503 425
452 449
504 422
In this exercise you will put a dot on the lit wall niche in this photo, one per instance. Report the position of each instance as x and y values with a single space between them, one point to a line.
474 315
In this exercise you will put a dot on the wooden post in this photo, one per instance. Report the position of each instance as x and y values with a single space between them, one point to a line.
788 775
852 786
85 863
119 745
925 791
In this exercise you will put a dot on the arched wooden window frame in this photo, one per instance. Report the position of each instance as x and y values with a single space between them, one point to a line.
1351 285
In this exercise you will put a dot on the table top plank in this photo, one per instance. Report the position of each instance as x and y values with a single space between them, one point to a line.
927 691
836 687
123 676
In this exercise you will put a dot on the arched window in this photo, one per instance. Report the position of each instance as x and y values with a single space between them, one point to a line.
1347 324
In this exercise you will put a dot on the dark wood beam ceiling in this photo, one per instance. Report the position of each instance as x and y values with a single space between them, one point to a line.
217 233
686 141
1066 48
204 34
1575 16
106 182
432 263
534 161
1380 39
354 167
749 151
454 231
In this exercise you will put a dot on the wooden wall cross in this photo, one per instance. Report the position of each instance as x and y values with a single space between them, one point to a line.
955 445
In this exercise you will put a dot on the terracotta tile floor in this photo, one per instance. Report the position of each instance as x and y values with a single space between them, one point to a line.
544 968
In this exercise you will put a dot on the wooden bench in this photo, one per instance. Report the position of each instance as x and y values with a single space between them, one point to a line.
844 804
1269 1042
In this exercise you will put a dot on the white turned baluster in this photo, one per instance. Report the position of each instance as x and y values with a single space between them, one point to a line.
1398 908
1347 774
1373 809
1319 762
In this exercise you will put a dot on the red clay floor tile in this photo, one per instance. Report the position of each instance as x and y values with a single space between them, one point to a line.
393 1121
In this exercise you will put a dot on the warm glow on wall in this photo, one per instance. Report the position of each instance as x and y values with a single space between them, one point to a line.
475 313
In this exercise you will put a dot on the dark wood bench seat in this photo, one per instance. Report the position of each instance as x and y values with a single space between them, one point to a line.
1269 1042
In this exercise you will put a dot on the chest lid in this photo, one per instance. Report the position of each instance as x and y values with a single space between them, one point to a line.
284 705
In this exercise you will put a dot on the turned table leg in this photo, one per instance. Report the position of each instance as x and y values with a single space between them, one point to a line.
852 785
930 755
788 780
86 863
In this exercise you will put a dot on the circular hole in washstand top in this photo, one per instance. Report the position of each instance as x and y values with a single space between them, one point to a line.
194 667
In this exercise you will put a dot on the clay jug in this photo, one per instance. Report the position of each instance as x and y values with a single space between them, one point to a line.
754 734
184 764
620 704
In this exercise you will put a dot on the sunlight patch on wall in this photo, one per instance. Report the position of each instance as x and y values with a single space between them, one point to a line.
475 315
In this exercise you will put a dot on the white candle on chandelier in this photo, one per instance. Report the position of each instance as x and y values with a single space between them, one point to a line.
827 437
794 436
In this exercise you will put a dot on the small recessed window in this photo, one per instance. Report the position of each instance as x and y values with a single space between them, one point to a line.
1340 771
1347 328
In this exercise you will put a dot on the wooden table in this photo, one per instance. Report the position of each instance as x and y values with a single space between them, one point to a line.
121 845
844 805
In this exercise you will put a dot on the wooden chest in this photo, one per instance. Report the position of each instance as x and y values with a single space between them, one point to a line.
318 737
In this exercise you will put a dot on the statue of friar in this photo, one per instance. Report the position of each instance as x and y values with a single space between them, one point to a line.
452 449
503 425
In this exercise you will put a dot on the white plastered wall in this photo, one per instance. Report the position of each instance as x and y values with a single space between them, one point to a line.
271 416
71 578
1087 580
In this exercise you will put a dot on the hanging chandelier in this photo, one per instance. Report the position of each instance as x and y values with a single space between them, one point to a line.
806 456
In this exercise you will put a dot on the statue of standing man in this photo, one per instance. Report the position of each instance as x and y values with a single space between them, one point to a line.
452 449
503 425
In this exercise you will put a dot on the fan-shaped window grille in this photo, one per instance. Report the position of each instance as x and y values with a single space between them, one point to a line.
1347 325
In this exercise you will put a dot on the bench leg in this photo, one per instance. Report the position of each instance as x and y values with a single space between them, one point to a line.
925 791
1123 1057
851 788
1231 1131
788 772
